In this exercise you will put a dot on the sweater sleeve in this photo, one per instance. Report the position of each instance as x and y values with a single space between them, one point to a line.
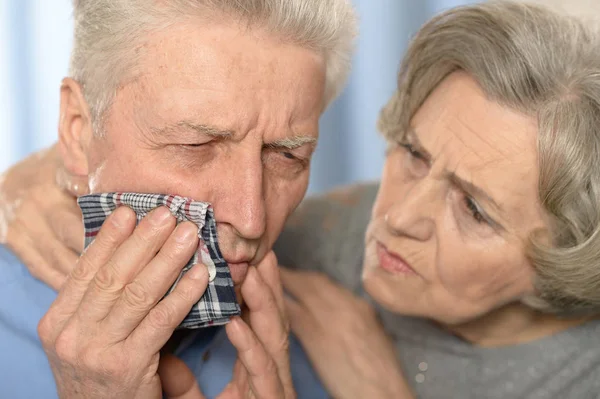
326 234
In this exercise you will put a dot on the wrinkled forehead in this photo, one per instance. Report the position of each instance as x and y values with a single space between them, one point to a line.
228 77
482 141
227 55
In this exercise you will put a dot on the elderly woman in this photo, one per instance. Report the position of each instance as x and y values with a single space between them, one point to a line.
480 270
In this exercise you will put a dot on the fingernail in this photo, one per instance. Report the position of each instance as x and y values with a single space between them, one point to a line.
121 217
185 232
160 215
197 272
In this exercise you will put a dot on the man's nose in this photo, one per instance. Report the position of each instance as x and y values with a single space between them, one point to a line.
242 203
414 214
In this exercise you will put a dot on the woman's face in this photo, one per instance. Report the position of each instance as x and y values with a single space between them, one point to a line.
457 202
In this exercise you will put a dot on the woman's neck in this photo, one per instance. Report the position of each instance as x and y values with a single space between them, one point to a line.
512 325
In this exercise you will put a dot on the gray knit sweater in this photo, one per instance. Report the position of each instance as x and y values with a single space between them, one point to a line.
327 233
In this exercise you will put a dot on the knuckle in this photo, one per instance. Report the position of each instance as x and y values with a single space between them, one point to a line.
136 296
65 347
146 233
35 269
90 358
84 270
270 303
107 238
270 366
144 237
45 329
162 317
176 253
270 260
111 364
171 255
184 292
106 279
106 241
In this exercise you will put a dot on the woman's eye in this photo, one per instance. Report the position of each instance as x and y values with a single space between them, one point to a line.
474 210
412 151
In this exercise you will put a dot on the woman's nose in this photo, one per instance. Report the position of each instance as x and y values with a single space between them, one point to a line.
414 214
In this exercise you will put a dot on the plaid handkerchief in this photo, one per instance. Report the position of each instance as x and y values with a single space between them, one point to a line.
218 303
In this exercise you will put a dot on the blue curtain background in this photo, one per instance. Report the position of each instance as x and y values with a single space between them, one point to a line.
35 41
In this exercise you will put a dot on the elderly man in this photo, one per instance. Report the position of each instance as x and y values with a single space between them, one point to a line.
217 101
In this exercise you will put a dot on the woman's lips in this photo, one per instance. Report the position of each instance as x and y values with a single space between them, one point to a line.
391 262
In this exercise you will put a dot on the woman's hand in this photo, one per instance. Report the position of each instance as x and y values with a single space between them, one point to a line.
39 217
343 338
262 370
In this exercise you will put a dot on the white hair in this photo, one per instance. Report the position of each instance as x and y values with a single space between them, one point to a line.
108 34
586 10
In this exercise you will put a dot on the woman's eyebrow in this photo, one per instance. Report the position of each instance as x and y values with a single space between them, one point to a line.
474 191
463 184
412 137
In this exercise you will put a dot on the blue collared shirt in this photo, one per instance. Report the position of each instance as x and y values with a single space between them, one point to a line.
24 368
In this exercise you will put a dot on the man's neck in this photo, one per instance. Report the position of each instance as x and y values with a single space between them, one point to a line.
512 325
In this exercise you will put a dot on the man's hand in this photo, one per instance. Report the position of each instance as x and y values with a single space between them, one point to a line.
104 331
39 217
343 338
262 369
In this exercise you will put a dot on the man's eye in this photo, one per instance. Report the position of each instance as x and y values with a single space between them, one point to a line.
287 159
289 155
194 145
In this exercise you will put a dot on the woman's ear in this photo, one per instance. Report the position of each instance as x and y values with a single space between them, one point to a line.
74 128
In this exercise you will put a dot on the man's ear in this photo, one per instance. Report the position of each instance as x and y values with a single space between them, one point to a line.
74 128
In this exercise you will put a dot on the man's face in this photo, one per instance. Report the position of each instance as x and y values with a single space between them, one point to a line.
219 114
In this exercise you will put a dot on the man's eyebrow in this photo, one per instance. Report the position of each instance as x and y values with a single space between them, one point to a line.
457 181
291 143
200 128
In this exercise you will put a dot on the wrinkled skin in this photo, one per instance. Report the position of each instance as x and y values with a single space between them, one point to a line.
29 200
178 128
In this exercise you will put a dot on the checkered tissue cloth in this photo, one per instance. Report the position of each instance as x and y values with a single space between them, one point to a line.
218 304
